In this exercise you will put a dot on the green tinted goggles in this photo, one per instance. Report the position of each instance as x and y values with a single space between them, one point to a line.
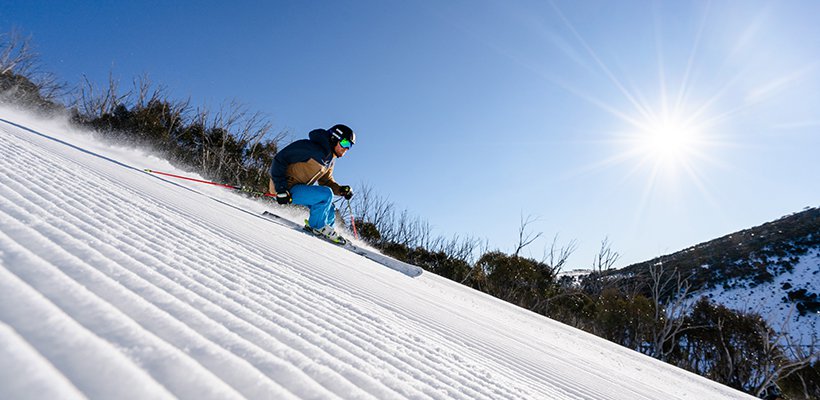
345 143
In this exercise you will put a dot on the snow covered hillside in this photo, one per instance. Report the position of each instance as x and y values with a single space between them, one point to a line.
117 284
770 299
772 270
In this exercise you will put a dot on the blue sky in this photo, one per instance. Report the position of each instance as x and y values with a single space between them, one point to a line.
657 124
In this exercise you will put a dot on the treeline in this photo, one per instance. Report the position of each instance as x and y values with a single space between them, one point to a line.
230 144
650 313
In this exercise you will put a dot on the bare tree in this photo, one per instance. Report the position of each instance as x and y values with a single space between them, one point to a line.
17 57
606 257
671 299
409 229
224 122
145 94
231 131
380 211
556 257
525 236
16 54
370 207
603 262
143 87
464 248
784 356
95 102
200 121
393 227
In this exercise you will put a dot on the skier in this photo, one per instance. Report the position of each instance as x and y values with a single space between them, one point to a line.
307 161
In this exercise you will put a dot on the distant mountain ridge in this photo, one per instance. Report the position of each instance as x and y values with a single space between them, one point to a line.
772 269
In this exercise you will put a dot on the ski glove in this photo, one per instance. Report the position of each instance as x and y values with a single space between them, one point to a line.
346 192
284 198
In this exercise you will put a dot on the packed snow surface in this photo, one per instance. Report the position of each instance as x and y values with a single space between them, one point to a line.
117 284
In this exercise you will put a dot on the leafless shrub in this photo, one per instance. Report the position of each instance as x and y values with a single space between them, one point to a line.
670 294
557 256
24 80
400 227
94 101
783 357
603 262
525 236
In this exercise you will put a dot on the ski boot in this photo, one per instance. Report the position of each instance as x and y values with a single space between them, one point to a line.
328 233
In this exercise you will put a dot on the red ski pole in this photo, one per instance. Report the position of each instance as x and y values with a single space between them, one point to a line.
211 183
352 220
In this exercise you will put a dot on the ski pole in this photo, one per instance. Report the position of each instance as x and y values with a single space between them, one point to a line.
247 190
352 220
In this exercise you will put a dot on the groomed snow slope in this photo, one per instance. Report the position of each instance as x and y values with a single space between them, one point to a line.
117 284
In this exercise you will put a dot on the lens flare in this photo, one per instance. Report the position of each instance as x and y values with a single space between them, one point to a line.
669 141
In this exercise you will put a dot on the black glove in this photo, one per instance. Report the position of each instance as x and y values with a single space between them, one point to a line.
284 198
346 192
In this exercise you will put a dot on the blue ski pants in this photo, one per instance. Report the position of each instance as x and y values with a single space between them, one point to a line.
320 201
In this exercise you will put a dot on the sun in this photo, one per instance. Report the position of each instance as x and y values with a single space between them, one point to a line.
664 129
667 147
669 141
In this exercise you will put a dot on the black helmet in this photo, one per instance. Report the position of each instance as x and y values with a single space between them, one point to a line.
339 132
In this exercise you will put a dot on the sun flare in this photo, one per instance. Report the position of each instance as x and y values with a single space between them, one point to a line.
669 140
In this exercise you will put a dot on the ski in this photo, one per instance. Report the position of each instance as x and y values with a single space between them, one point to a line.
389 262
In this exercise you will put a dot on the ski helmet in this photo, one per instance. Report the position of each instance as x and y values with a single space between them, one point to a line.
341 133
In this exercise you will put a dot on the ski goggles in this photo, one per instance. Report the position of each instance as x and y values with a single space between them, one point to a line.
345 143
